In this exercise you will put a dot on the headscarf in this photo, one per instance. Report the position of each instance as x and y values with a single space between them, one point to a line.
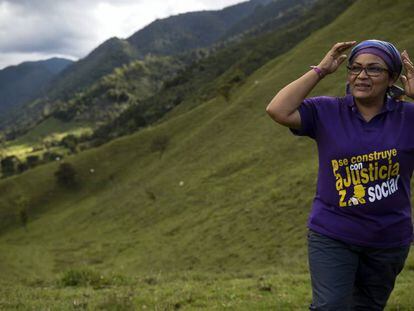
383 49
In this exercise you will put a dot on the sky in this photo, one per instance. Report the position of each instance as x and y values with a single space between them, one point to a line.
40 29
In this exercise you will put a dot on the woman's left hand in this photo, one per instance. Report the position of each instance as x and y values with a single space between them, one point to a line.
408 79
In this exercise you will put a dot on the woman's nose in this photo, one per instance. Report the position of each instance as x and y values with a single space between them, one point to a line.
362 74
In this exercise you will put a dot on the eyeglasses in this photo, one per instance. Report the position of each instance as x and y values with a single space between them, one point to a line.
372 71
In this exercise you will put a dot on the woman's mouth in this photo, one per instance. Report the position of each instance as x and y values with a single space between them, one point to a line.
362 86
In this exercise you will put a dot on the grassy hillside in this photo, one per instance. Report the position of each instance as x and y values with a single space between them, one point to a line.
217 220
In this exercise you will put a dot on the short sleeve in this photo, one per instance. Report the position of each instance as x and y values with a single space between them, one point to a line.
309 118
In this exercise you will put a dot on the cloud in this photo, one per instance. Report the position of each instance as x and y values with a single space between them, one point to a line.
39 29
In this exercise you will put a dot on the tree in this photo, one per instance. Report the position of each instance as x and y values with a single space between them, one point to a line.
32 161
70 141
66 175
160 143
9 165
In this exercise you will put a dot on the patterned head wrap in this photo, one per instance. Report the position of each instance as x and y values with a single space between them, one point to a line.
385 50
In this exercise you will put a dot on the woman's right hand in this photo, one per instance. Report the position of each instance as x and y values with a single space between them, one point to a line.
335 57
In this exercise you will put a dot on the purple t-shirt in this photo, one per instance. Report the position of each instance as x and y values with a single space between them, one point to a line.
363 190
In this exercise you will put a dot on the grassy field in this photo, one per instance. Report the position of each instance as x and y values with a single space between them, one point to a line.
49 130
216 221
266 290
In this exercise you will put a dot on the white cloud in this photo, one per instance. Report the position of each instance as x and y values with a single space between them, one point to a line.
38 29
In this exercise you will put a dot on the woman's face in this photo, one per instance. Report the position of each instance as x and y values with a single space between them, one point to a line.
367 88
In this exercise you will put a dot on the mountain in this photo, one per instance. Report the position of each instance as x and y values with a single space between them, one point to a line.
192 30
151 39
220 72
126 86
218 221
116 52
113 53
28 80
190 84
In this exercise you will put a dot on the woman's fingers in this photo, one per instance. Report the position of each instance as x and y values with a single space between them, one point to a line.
347 45
341 59
343 45
405 58
404 81
408 78
340 47
335 56
408 66
404 54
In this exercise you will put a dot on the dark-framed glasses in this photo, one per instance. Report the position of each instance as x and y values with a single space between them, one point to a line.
372 71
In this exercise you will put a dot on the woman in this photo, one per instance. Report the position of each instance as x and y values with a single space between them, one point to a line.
360 227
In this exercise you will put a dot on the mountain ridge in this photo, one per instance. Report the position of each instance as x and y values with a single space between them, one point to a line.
27 80
41 108
116 52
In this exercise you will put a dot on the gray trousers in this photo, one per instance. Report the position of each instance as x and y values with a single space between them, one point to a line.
351 277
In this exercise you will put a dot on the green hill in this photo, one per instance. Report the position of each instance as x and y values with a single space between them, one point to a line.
217 220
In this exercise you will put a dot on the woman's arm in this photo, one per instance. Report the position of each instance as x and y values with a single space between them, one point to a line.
284 106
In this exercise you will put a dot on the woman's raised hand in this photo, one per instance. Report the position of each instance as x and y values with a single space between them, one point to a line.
408 78
335 57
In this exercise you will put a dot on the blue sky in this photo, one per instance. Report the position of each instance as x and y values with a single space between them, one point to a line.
40 29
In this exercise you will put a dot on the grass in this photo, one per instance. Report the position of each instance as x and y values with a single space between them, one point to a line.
52 128
252 290
225 205
168 292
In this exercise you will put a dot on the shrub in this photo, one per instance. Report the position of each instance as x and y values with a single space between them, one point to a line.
9 165
83 277
70 141
65 115
160 144
150 194
49 156
225 91
32 160
66 175
23 217
21 167
89 277
22 204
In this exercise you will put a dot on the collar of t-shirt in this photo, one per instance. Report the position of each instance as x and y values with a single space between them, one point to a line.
388 106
